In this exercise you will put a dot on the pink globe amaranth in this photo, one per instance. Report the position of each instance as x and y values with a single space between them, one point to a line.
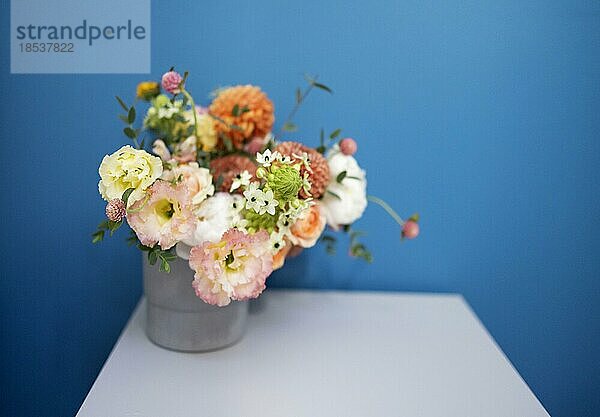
410 230
170 82
115 210
348 146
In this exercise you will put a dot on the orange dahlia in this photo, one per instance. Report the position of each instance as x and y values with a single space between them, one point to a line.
245 107
228 167
319 177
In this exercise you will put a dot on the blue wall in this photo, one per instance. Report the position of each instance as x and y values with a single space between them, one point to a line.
483 116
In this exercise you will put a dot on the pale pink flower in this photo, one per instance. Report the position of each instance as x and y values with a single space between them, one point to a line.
186 150
170 82
348 146
165 216
235 268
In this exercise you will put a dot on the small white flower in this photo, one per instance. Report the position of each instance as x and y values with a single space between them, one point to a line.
277 241
306 185
303 157
238 222
270 203
242 179
254 197
238 203
267 157
284 159
285 221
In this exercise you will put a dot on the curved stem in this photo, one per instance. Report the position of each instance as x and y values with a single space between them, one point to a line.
191 100
387 208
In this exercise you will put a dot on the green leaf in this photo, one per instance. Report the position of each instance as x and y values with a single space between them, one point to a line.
415 217
126 195
122 103
244 109
130 133
114 226
98 236
335 134
235 112
289 127
340 177
322 87
152 257
321 149
334 194
164 266
131 115
322 137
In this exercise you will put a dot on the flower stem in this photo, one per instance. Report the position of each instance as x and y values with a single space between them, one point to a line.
191 100
387 208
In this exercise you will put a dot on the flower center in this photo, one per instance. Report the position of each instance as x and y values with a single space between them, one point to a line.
165 210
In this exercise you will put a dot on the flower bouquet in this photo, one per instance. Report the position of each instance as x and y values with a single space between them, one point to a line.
221 192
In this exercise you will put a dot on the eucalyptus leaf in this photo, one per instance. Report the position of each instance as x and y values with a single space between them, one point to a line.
335 134
323 87
131 115
130 133
340 177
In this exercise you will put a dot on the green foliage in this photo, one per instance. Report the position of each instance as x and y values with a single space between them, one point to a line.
156 254
105 226
357 249
126 195
340 177
330 244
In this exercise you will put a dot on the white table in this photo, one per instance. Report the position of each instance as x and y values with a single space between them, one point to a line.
339 354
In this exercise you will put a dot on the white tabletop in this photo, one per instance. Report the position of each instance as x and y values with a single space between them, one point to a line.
313 354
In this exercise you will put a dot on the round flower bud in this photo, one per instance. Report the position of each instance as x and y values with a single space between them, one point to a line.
170 82
410 230
115 210
348 146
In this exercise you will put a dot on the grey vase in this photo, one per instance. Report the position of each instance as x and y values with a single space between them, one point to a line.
178 320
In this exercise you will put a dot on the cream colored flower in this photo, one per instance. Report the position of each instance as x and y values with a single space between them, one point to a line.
205 130
197 180
128 168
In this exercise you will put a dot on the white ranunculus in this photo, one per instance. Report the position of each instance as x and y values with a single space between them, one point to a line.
214 217
346 201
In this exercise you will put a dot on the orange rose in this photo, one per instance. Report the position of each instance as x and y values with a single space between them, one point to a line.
306 231
279 257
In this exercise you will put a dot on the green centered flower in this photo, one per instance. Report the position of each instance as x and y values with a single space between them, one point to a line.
285 181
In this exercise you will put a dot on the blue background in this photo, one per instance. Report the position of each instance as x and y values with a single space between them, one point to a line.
483 116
